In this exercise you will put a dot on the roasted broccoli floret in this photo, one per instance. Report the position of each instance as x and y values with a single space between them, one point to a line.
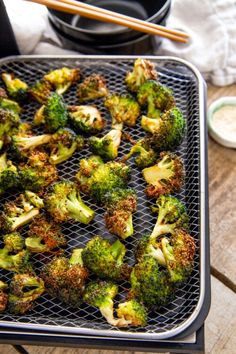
150 284
86 119
3 296
37 173
63 145
44 235
97 178
146 155
148 246
8 122
133 312
91 88
124 110
63 202
9 177
158 98
143 70
34 199
107 146
179 251
10 105
120 204
166 176
65 278
17 213
24 290
16 88
167 132
106 259
12 256
61 79
41 91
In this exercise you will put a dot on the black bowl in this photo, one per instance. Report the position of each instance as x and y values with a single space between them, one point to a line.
101 33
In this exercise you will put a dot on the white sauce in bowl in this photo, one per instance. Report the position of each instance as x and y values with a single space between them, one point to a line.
224 122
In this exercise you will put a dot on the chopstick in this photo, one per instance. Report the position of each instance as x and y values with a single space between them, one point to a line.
96 13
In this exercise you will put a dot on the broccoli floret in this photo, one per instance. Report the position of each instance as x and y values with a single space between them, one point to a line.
133 312
16 88
107 146
146 155
9 177
179 253
8 122
91 88
61 79
105 259
65 278
41 91
3 296
167 132
143 70
63 202
44 235
34 199
148 246
150 284
11 106
166 176
124 110
24 290
158 98
54 114
86 119
63 145
120 204
14 242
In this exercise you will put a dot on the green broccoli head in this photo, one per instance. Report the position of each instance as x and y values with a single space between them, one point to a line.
44 235
16 88
41 91
14 242
166 176
124 110
105 259
3 296
107 146
24 290
55 113
65 278
63 145
133 312
86 119
146 156
9 177
92 87
8 122
61 79
63 203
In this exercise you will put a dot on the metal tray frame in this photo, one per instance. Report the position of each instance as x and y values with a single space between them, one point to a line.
202 306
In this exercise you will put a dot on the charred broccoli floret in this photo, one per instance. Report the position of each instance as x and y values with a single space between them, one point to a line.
24 290
107 146
146 155
124 110
133 312
37 173
65 278
63 144
86 119
41 91
11 106
91 88
3 296
63 202
166 176
61 79
9 120
105 259
120 204
158 98
9 177
143 70
44 235
167 132
150 284
34 199
16 88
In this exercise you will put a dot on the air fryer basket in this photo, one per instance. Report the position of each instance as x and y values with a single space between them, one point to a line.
188 87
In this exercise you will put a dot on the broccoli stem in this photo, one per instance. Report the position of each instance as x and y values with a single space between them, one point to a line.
157 254
3 162
76 257
129 227
78 210
161 229
24 219
107 311
34 141
118 251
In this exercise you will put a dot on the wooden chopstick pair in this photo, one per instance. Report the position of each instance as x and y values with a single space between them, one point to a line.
100 14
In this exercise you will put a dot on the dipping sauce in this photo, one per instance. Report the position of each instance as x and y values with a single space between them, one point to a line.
224 122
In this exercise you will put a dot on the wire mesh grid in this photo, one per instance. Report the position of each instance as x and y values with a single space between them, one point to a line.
50 311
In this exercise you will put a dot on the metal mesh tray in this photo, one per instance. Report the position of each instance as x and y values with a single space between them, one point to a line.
188 87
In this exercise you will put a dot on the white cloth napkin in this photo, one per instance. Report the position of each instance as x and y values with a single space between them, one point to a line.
210 23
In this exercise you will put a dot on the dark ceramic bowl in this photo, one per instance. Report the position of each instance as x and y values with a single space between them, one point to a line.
101 33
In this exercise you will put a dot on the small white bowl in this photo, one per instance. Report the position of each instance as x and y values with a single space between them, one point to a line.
216 134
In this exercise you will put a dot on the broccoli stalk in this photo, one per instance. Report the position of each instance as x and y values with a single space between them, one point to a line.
3 296
108 145
16 88
148 246
23 143
143 70
62 78
146 155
